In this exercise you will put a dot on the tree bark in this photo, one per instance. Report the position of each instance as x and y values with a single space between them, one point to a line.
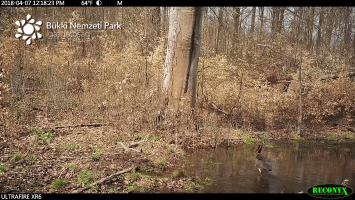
275 18
157 21
180 69
219 30
300 98
236 24
320 24
261 16
163 21
253 20
310 27
195 55
280 19
330 26
347 26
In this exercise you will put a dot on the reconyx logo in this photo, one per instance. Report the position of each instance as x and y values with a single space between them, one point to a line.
330 191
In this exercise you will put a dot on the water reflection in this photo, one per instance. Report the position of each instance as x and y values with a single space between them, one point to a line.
295 167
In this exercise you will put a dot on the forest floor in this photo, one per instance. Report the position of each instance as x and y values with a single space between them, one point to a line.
63 159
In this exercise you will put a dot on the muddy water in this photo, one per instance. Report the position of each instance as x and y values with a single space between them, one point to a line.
296 167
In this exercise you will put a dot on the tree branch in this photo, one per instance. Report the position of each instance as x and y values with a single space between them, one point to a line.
103 180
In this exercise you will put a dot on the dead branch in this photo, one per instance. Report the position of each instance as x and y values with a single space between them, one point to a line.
83 125
103 180
126 148
218 110
135 144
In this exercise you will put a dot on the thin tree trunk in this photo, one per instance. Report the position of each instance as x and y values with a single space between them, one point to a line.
253 20
347 26
219 30
236 24
320 24
280 19
261 9
310 27
275 19
300 98
330 26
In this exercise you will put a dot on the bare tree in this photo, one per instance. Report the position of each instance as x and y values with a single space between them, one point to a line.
310 27
280 19
261 16
252 19
236 25
320 24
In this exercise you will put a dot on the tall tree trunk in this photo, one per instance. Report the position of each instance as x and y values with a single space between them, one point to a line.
310 27
347 26
280 19
330 26
236 25
320 24
180 69
252 20
275 19
195 55
300 98
261 16
219 30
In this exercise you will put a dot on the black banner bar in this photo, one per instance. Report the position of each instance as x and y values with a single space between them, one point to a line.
174 196
120 3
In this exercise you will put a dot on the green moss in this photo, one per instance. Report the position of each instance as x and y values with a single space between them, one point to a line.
72 146
58 183
140 136
17 157
208 180
43 134
131 187
86 177
348 135
248 140
97 154
331 136
178 174
265 136
161 164
134 176
153 137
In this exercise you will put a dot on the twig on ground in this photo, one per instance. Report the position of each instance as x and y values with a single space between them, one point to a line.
83 125
103 180
126 148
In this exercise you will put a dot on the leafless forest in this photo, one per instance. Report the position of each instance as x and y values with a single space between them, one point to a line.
70 97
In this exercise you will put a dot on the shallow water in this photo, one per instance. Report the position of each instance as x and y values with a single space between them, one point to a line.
296 167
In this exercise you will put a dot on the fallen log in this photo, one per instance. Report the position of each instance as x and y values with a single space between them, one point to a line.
126 148
103 180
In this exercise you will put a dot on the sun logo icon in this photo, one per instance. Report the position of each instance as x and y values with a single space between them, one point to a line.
28 29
